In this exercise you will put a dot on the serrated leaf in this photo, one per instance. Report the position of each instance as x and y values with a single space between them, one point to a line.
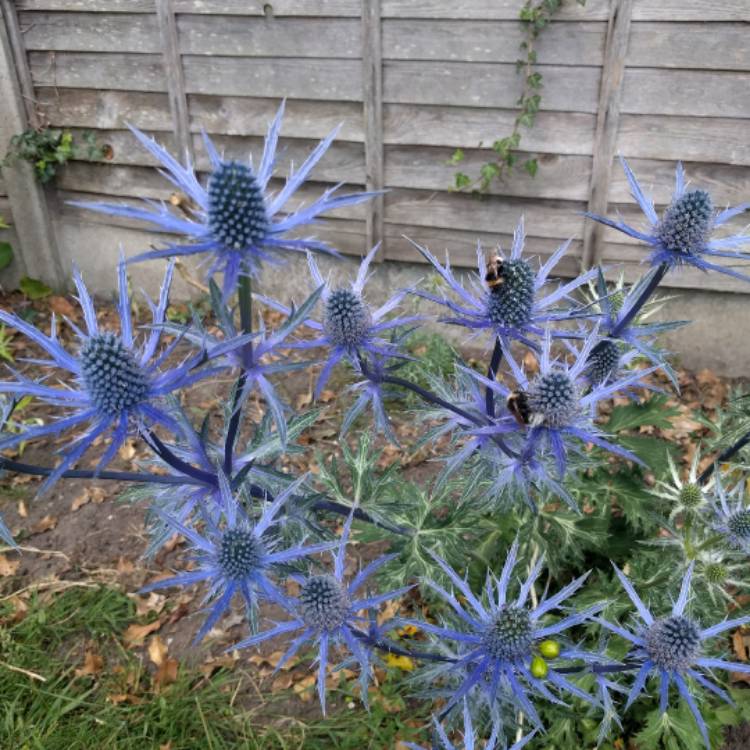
6 254
653 412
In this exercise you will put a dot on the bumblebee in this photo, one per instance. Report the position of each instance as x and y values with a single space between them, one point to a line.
495 275
518 405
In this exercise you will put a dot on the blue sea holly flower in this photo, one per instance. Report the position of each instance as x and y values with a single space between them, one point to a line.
506 296
117 381
557 406
671 648
330 611
731 516
236 555
499 637
624 338
470 739
237 220
683 235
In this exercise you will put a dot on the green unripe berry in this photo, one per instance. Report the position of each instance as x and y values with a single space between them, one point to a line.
549 649
539 667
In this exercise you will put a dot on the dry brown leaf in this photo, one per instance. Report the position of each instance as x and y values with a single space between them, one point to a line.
304 688
152 603
8 567
92 665
46 524
135 635
282 682
124 698
227 661
127 450
157 650
61 306
124 565
166 746
22 510
81 500
166 674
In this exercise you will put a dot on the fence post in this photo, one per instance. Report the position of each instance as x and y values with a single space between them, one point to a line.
175 77
607 124
372 95
37 255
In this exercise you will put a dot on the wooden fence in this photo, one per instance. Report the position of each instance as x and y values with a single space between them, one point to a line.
653 80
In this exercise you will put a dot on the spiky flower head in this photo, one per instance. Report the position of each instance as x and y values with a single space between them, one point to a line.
686 224
236 207
508 298
603 362
691 495
115 381
673 642
236 555
347 320
683 235
553 399
235 219
684 495
510 303
324 602
672 649
500 639
729 514
326 612
716 573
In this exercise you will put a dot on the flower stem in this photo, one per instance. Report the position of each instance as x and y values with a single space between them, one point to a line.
631 314
489 396
725 455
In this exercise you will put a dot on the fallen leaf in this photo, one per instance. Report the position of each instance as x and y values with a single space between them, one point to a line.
124 565
61 306
166 674
46 524
22 511
8 567
157 650
92 665
303 689
145 604
135 635
127 450
227 661
83 499
282 682
124 698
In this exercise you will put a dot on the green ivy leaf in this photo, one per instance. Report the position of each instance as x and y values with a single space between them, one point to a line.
457 157
531 166
6 255
34 288
462 180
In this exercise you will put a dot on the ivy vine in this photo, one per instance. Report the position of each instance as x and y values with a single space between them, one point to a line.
535 16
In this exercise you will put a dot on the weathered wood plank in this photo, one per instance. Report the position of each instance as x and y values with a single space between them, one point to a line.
324 8
37 250
287 77
90 32
564 133
427 168
499 10
175 76
91 108
718 46
487 85
478 41
693 139
607 123
694 93
556 220
89 6
372 98
251 36
98 70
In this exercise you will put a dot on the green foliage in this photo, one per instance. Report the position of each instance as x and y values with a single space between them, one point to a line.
5 339
535 16
34 289
47 149
6 254
433 357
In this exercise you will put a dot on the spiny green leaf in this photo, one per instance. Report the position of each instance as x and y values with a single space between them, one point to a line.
34 288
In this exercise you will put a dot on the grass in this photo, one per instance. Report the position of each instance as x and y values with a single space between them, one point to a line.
120 707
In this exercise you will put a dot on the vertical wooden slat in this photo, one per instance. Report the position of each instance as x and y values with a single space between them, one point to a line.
607 124
38 256
372 77
175 76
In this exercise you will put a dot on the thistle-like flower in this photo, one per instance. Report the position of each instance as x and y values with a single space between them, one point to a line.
329 611
503 643
237 220
730 514
508 299
117 381
671 648
236 555
556 408
685 497
470 739
626 336
683 234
